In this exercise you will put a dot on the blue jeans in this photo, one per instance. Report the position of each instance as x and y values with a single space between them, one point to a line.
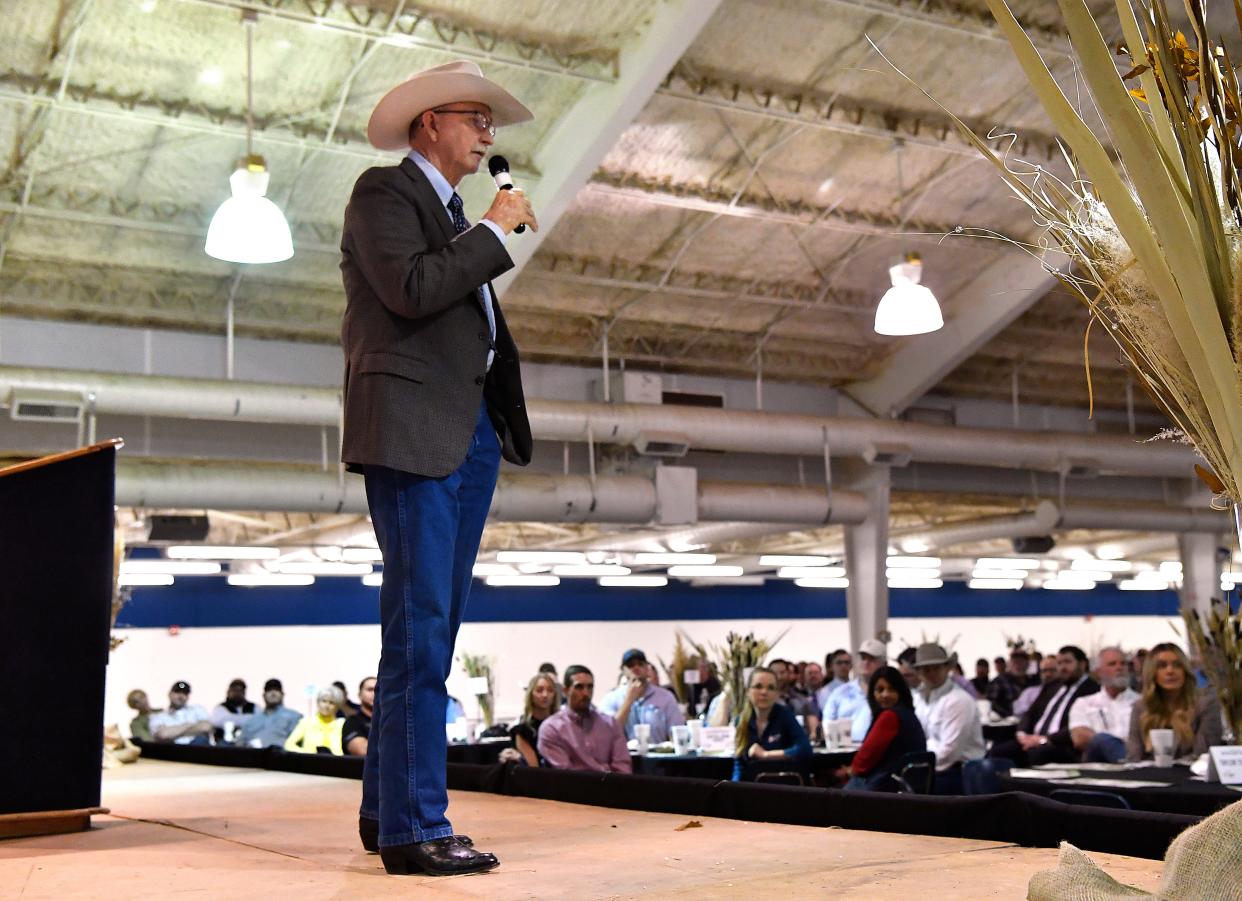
428 531
1105 748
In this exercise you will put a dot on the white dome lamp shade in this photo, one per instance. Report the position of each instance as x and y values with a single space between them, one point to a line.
249 228
908 308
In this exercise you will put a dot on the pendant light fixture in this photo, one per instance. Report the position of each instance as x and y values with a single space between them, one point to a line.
908 308
248 227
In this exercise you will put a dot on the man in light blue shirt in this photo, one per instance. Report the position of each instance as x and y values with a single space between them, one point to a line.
182 723
642 701
269 727
850 700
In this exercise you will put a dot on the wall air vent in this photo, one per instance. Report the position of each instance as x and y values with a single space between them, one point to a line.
661 444
46 406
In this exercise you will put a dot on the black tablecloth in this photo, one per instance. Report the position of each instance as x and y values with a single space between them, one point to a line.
823 765
1183 796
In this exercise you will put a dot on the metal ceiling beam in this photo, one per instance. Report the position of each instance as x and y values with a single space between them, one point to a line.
951 16
706 200
576 144
842 115
432 31
975 315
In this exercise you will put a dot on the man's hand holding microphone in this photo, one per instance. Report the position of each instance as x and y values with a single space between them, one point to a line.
510 209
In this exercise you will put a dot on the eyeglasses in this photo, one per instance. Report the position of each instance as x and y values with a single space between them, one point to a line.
480 121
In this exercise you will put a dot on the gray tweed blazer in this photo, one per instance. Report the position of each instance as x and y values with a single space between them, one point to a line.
415 333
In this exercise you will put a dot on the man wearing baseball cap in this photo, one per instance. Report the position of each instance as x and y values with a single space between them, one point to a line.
849 701
639 700
433 400
182 723
269 727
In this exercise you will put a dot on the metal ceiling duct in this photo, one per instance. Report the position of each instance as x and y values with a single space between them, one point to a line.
720 430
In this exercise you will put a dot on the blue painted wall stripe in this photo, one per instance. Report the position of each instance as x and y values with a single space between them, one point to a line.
208 601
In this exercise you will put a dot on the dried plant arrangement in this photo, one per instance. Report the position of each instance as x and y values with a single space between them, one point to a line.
675 671
1217 639
477 665
739 654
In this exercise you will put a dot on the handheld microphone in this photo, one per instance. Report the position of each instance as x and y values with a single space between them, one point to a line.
498 166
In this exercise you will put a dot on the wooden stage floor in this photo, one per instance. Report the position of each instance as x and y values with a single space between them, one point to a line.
186 831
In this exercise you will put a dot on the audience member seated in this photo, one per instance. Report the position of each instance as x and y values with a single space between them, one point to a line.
850 700
700 696
321 733
140 726
1172 700
1137 662
348 708
905 665
1003 691
793 697
838 664
542 700
1100 723
949 717
895 731
182 723
229 716
981 680
1044 734
958 675
767 730
1047 676
269 727
579 737
356 731
812 684
454 710
639 700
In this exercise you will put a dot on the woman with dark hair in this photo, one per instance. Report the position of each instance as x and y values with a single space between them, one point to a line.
1171 700
766 730
543 698
895 731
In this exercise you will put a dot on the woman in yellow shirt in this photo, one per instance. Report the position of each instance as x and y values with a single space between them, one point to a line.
320 733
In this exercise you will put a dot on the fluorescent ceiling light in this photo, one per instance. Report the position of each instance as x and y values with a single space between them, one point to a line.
1077 582
284 580
1000 574
696 572
172 567
147 579
1110 552
362 555
1112 566
702 581
373 580
995 584
810 572
915 562
218 552
591 570
792 560
912 573
325 568
1170 566
493 569
523 581
822 583
1006 563
547 557
633 581
1095 575
1142 585
913 545
909 582
648 559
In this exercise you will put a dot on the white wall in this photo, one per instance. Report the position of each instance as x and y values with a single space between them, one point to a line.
303 656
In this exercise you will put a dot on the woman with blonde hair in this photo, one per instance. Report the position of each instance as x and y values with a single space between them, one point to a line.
767 730
543 698
320 734
1171 700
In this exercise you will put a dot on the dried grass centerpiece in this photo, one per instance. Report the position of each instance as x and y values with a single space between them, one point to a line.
1155 237
734 660
682 660
1218 642
476 666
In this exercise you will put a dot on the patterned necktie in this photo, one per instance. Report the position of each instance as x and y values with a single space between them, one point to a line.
460 223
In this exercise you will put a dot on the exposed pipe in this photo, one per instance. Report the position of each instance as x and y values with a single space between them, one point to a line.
519 496
1040 521
741 431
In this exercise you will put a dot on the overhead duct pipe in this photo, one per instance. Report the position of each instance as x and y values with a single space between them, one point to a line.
629 424
519 497
1040 521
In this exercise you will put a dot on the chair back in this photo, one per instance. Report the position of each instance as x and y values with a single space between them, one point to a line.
916 773
781 778
1090 798
982 777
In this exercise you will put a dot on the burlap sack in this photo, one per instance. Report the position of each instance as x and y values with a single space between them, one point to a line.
1204 863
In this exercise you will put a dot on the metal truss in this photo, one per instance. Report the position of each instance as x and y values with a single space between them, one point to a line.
643 278
421 28
796 213
844 115
953 16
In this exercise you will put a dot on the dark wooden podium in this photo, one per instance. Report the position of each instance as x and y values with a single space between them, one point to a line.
57 538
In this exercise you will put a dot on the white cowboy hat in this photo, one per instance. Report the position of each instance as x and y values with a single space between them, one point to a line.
456 82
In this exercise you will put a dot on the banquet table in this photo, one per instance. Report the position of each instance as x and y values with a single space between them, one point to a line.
824 762
1161 789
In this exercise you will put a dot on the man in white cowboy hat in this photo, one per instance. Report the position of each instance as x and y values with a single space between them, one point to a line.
949 716
433 399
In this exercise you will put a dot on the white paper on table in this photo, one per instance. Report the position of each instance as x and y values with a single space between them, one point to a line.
690 677
1112 783
716 739
1050 774
1225 764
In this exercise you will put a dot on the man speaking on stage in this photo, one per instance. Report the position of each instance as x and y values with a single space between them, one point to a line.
433 399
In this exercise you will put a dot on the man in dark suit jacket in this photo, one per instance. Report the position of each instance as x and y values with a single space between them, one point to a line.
433 399
1044 733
